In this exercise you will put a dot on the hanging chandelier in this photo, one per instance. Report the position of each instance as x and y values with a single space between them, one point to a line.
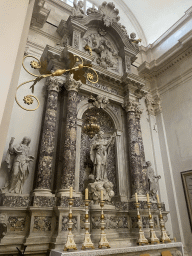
91 127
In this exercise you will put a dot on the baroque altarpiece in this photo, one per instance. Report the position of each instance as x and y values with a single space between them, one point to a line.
68 157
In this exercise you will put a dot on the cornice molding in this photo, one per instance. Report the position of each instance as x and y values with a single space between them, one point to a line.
178 52
171 30
45 34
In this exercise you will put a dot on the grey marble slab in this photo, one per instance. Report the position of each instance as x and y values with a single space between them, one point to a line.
120 251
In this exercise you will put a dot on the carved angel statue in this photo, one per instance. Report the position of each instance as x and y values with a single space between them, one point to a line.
18 161
152 179
99 152
77 10
134 41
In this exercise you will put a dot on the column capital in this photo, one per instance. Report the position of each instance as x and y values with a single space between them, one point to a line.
55 83
153 104
130 105
71 84
138 111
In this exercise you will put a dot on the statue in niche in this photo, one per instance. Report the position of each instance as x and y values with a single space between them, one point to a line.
77 10
99 151
152 180
18 161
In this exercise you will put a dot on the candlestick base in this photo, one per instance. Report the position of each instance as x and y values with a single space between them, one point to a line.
142 240
70 242
103 241
153 238
164 237
87 242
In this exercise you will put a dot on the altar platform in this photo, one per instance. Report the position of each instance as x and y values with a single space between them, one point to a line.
175 249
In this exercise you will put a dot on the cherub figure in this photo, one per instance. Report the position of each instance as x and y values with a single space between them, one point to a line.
77 10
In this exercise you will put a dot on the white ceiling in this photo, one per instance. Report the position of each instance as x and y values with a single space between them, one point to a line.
149 18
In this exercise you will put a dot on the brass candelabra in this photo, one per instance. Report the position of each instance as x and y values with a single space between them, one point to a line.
87 240
164 237
79 71
153 238
142 240
70 244
103 238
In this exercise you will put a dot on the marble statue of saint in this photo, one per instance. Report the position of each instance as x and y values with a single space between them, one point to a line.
152 179
77 10
99 152
18 160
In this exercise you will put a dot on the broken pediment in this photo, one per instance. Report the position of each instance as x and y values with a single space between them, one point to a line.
101 35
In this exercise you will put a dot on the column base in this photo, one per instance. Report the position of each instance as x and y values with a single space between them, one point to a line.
43 198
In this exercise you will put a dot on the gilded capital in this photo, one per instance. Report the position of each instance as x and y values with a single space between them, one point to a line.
54 83
71 84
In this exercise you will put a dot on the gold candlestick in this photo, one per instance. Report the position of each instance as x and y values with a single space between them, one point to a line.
87 241
153 238
164 237
142 239
103 239
70 240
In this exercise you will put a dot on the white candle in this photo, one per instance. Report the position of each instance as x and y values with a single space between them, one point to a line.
101 195
136 198
158 199
147 198
71 192
86 194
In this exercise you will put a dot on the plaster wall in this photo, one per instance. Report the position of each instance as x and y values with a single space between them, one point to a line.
15 17
176 94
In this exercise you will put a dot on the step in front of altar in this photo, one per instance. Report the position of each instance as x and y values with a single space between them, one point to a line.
174 249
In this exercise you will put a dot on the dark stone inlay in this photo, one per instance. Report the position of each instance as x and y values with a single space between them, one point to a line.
16 223
45 167
69 153
15 201
42 223
44 201
65 220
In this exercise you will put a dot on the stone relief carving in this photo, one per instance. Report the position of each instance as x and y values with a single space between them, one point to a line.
152 179
112 222
109 12
100 101
92 10
86 165
18 161
3 225
16 223
42 223
105 54
153 104
77 10
76 40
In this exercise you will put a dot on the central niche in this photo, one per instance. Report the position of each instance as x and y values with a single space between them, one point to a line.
86 165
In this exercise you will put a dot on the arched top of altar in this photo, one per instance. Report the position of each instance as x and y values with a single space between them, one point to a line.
117 32
84 105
